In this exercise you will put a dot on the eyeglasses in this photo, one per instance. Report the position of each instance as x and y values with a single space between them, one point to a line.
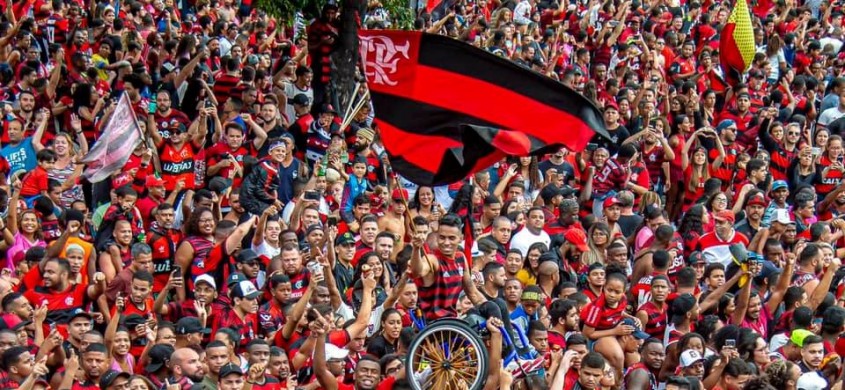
793 133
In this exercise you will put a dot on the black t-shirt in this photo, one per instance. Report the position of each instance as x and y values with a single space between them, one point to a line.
628 224
564 168
379 346
617 136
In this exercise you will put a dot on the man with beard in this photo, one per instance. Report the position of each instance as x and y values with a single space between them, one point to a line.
385 248
272 123
361 148
165 115
393 221
142 260
810 266
63 300
754 207
532 233
741 115
643 374
162 238
186 368
714 245
242 317
562 168
93 362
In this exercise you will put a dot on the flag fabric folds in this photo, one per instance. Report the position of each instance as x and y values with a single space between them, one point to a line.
446 109
120 137
736 45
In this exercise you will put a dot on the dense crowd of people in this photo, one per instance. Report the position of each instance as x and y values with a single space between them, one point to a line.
257 238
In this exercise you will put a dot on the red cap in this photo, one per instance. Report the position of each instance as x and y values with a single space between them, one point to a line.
725 215
11 320
153 181
578 238
399 194
611 201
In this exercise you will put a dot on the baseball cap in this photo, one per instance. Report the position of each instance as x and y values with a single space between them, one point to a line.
133 320
550 191
344 239
188 325
781 216
246 255
159 356
80 313
638 333
695 258
219 184
811 381
578 238
725 124
690 357
245 289
153 181
327 109
611 201
778 184
206 278
335 353
235 278
300 99
797 336
230 369
110 376
725 215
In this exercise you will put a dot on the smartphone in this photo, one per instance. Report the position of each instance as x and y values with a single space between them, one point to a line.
152 108
208 103
177 271
730 343
312 195
52 327
331 220
816 151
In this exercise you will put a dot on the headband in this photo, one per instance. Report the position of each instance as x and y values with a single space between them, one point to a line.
278 144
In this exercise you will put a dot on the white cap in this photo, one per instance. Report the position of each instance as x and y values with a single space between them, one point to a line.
811 381
690 357
335 353
782 216
206 278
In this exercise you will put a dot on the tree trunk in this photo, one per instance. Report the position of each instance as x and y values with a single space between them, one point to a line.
345 56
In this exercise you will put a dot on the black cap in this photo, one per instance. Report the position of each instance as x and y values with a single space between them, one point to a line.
327 109
133 320
235 278
345 238
300 99
188 325
219 184
230 369
110 376
549 192
246 255
159 357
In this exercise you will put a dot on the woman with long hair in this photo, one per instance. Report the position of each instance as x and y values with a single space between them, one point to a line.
468 195
598 238
698 169
66 170
118 341
531 265
387 339
425 205
718 201
87 105
198 242
802 170
753 348
20 235
527 171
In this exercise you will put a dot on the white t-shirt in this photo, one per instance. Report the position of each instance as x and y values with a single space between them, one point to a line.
524 239
830 115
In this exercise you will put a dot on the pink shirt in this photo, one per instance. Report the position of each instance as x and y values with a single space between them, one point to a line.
761 326
19 248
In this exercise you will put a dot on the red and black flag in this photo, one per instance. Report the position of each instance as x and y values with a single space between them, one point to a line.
446 109
736 44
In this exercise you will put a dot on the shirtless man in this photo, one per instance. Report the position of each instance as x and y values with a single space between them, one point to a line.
393 221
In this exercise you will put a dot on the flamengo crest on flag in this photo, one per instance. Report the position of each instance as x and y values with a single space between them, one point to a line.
446 109
119 138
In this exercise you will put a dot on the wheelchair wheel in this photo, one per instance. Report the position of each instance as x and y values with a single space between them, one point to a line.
447 355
